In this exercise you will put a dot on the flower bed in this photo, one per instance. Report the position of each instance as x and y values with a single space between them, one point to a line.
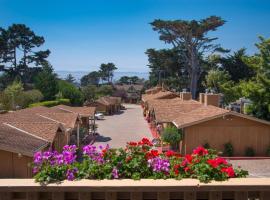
138 160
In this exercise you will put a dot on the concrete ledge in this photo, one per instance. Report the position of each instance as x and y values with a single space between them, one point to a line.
144 185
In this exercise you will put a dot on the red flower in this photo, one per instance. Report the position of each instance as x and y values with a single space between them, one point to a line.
186 169
229 171
170 153
177 155
128 159
200 151
176 169
145 141
187 160
104 151
151 154
132 143
216 162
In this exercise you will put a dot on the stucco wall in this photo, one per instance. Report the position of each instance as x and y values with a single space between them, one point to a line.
241 132
14 166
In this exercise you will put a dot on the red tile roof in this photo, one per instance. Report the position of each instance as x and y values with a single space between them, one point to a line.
15 141
84 111
38 125
159 95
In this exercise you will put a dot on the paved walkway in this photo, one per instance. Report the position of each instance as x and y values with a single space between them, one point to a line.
118 129
256 168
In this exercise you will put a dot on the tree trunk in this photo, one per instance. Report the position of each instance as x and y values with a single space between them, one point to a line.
194 72
193 83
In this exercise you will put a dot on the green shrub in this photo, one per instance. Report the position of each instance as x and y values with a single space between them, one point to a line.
71 92
268 151
51 103
228 149
206 145
249 152
29 97
172 136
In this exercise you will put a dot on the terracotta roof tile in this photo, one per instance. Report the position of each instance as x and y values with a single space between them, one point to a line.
18 142
67 119
197 115
45 131
159 95
84 111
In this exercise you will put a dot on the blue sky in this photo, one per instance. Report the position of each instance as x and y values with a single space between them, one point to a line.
83 34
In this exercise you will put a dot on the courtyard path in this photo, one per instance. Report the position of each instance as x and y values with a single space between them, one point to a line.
118 129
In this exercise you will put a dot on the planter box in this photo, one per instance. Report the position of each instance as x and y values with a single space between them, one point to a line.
186 189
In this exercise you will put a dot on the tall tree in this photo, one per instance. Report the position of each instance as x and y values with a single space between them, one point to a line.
70 79
235 65
165 66
129 80
190 38
92 78
46 82
258 88
107 71
19 52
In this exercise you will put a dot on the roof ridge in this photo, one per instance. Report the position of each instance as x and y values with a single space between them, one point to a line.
23 131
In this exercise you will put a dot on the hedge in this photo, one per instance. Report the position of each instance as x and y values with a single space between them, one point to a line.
51 103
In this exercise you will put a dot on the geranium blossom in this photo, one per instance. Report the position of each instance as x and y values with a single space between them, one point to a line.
229 171
200 151
216 162
138 160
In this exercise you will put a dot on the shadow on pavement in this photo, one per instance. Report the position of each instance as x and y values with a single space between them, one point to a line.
101 138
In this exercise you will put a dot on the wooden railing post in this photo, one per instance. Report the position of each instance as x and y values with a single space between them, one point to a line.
264 195
85 196
215 196
58 196
163 196
32 196
5 196
136 196
111 196
189 195
241 195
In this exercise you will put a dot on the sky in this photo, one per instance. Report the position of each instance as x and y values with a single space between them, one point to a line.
83 34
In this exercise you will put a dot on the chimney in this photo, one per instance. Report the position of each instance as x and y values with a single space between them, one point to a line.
201 98
184 95
211 99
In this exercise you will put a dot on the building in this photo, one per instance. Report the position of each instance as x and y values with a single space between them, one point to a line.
204 122
108 105
130 93
26 131
156 95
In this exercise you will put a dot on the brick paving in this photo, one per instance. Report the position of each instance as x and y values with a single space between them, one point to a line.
116 130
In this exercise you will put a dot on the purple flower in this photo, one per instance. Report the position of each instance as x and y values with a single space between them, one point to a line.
70 148
35 170
159 165
71 174
115 173
95 154
68 157
46 155
37 158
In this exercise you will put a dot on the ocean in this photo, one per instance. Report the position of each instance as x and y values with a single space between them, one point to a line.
79 74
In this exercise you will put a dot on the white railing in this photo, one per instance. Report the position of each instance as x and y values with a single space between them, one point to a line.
186 189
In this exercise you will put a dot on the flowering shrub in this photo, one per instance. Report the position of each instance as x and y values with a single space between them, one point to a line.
138 160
